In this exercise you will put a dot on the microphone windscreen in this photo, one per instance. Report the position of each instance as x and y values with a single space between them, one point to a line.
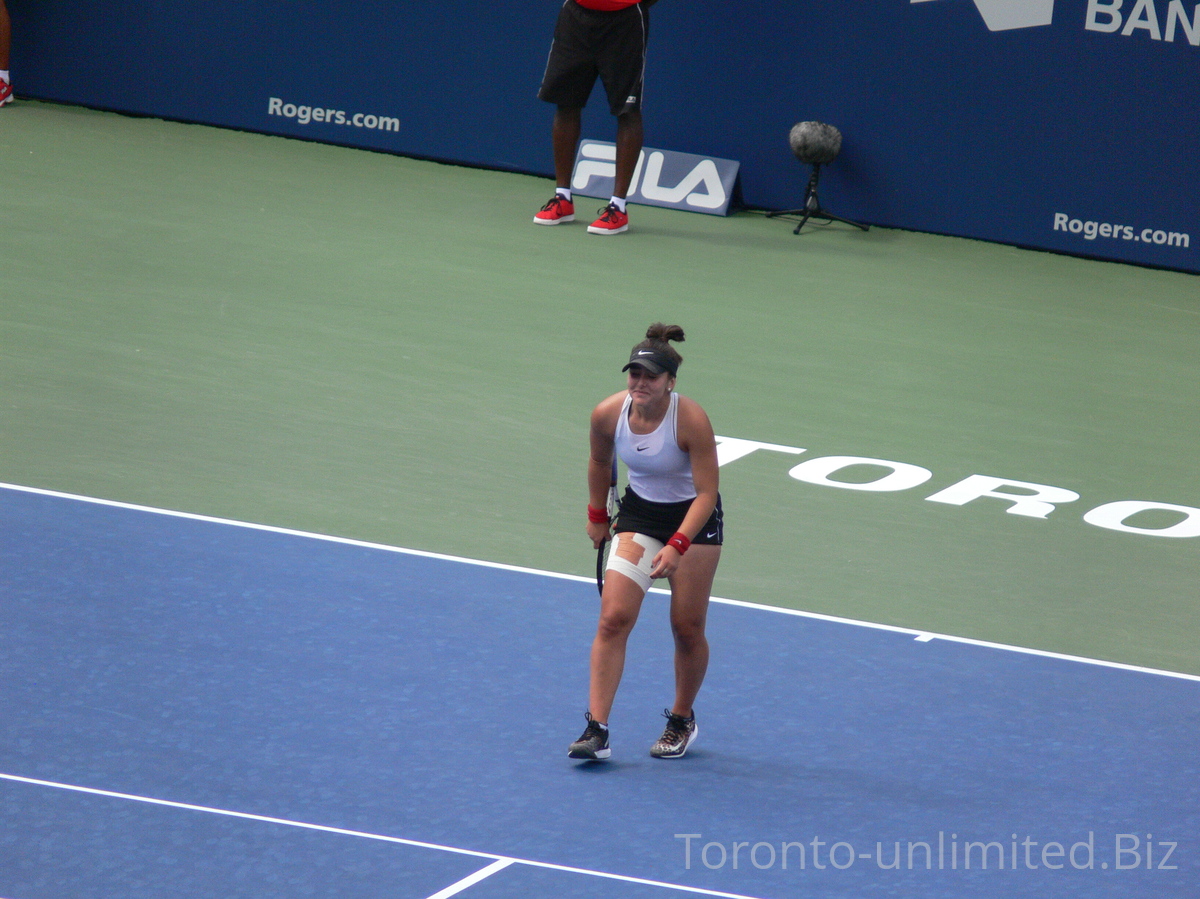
815 143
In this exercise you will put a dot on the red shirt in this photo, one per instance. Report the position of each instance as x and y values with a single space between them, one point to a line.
607 5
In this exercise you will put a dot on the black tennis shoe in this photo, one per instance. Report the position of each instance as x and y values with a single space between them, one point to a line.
593 744
677 737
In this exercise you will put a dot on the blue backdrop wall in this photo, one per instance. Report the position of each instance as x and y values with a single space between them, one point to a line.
1069 125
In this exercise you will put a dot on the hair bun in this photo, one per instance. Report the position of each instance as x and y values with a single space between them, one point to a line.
659 331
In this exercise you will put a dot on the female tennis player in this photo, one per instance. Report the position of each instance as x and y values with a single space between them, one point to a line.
669 526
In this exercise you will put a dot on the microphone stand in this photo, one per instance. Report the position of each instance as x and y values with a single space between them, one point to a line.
812 206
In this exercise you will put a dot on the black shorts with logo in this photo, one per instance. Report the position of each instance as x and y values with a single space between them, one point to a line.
662 520
590 43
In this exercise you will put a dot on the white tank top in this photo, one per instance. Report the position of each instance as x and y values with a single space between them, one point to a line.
658 469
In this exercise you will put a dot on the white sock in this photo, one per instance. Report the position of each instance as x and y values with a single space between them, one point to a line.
4 76
564 192
619 202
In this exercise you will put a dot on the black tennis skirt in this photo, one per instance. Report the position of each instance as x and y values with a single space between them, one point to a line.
662 520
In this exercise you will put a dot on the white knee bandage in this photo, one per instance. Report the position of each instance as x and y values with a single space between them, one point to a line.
633 556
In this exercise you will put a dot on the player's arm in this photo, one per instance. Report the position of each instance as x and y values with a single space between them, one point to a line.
601 438
696 438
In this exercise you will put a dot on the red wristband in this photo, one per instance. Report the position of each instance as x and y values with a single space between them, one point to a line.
680 542
597 516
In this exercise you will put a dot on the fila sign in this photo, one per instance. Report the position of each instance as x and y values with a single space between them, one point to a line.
661 178
1151 519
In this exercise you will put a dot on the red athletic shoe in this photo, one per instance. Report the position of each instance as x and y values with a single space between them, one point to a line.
558 210
612 221
5 92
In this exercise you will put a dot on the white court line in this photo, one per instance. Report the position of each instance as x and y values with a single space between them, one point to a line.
922 636
499 861
471 879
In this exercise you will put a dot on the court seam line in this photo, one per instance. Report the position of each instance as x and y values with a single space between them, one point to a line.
923 636
361 834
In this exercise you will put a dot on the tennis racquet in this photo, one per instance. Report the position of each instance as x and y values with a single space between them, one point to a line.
613 506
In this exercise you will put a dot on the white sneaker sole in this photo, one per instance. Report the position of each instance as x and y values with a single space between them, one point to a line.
558 221
598 756
592 229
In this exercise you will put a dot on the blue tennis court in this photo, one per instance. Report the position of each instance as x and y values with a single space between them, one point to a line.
193 707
